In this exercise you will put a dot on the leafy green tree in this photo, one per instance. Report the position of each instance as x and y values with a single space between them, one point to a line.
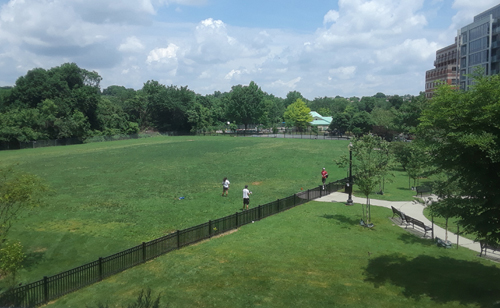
245 104
407 117
396 101
273 111
137 108
113 120
200 118
168 106
361 123
18 193
461 133
11 258
324 112
372 161
292 97
299 114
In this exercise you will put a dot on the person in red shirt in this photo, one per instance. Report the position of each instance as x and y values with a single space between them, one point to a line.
324 175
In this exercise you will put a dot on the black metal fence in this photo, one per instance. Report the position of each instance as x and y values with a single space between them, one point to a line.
49 288
290 134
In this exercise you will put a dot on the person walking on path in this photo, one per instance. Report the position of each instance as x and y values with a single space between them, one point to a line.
324 175
225 186
246 197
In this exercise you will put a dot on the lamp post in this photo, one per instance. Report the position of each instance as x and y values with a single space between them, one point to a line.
349 185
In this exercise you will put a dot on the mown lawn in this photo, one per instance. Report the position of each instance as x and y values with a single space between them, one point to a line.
315 255
114 195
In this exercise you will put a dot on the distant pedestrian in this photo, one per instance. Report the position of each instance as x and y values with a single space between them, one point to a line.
324 176
246 197
225 186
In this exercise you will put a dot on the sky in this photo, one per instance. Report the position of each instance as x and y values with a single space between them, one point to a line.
317 47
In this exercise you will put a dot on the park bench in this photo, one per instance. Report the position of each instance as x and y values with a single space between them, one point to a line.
415 222
423 190
399 213
485 246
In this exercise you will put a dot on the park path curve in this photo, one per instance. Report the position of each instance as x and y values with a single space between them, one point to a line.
412 209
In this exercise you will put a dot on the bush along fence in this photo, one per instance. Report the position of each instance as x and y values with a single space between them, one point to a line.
50 288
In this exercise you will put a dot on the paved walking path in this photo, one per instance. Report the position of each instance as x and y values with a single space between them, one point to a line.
412 209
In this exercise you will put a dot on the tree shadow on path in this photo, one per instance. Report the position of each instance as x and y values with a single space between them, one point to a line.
442 279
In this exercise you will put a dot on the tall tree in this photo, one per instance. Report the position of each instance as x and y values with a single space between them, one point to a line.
245 104
461 131
299 114
292 96
372 161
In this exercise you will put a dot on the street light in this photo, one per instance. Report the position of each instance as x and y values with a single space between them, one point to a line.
349 185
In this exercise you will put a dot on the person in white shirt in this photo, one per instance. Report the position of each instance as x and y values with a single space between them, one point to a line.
246 197
225 186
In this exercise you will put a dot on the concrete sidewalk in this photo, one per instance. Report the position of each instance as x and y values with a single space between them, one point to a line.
412 209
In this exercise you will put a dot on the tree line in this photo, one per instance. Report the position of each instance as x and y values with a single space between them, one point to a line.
67 102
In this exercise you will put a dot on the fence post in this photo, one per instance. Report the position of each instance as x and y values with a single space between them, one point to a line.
143 252
178 240
278 201
294 200
210 228
259 212
432 233
45 289
308 195
236 220
100 268
458 231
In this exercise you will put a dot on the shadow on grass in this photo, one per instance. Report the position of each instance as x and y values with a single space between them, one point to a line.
32 259
442 279
409 238
342 219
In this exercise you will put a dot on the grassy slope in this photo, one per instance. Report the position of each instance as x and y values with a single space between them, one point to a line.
111 196
314 255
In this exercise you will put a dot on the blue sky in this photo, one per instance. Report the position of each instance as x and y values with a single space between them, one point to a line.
319 48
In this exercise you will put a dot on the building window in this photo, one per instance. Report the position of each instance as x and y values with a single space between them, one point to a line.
479 31
478 44
478 57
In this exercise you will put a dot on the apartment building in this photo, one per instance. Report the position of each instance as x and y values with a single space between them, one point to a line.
477 47
444 71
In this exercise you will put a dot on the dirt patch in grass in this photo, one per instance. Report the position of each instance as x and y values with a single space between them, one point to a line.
256 183
215 236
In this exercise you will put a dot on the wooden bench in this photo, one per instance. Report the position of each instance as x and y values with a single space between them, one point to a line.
485 246
423 190
401 215
415 222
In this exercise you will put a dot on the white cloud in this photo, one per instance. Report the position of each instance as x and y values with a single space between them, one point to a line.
344 72
330 17
131 44
359 48
163 55
290 85
232 73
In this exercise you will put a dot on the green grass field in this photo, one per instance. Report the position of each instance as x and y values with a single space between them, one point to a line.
314 255
114 195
